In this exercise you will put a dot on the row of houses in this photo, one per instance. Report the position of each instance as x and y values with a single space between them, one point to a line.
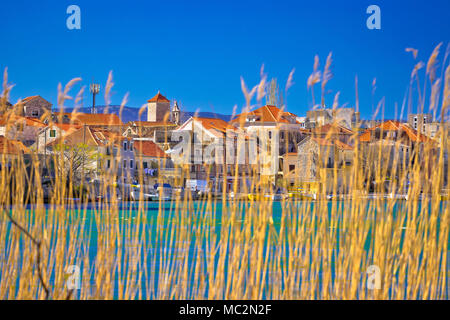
266 142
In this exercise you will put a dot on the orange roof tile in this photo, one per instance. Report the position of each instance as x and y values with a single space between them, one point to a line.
214 123
149 149
159 98
13 119
90 137
266 113
29 98
331 128
67 126
342 145
94 119
151 123
392 125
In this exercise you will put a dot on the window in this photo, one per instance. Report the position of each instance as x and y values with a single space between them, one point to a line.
52 133
108 164
144 164
35 113
292 167
270 134
124 164
125 145
131 164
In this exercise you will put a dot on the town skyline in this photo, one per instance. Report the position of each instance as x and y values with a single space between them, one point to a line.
201 66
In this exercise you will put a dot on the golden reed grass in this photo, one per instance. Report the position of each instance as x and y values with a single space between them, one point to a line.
230 249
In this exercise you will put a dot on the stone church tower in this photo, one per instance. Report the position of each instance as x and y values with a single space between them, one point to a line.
176 113
158 108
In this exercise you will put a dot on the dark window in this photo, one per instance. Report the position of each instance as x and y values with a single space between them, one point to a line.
108 164
145 165
292 167
124 164
131 164
52 133
125 146
35 113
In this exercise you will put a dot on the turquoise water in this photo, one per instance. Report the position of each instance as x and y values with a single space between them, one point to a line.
156 245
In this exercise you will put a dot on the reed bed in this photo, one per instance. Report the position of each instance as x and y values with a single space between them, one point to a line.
230 249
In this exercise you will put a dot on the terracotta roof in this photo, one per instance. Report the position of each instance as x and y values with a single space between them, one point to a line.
151 123
159 98
30 98
149 149
332 142
11 146
214 124
392 125
67 126
15 119
331 128
91 137
94 119
266 113
342 145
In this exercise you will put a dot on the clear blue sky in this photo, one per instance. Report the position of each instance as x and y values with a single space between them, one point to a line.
196 51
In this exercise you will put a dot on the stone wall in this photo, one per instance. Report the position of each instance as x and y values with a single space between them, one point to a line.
157 111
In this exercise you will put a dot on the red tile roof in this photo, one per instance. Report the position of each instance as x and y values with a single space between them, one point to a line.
214 124
159 98
29 98
90 137
13 119
151 124
392 125
149 149
331 128
266 113
94 119
67 126
332 142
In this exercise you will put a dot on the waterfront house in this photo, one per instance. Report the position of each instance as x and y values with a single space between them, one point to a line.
52 132
24 129
346 117
276 132
107 153
320 161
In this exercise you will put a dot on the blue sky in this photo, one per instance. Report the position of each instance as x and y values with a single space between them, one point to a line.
196 51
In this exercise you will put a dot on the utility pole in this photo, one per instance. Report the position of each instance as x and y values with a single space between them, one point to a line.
94 88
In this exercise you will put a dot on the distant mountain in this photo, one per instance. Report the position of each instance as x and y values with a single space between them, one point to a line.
132 114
